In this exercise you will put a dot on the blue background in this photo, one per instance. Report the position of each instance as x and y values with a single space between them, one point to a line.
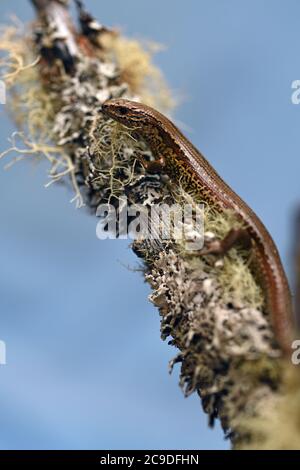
85 364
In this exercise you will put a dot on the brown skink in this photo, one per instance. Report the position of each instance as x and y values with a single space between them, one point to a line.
183 161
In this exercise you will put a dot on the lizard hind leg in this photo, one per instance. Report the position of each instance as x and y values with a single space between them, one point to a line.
234 237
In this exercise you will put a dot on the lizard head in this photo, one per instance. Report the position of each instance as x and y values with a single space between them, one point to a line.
129 113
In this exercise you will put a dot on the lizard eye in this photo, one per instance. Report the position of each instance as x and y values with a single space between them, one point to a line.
122 111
